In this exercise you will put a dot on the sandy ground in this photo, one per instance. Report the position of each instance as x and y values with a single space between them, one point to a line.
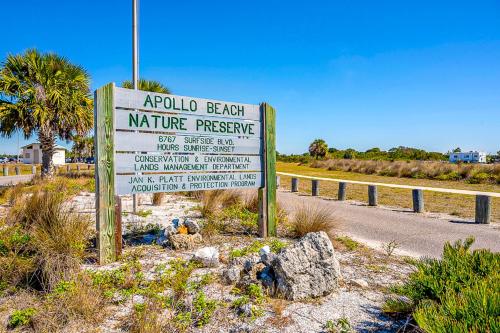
361 306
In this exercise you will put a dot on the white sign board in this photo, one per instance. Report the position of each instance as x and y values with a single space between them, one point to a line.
143 100
151 142
168 143
179 182
170 123
126 163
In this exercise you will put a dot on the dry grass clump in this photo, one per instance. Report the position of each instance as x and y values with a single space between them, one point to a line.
214 201
309 218
233 212
158 198
438 170
146 318
44 233
72 306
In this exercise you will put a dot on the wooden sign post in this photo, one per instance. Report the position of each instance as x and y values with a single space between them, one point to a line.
149 142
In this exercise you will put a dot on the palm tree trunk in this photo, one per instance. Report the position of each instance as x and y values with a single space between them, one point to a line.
48 142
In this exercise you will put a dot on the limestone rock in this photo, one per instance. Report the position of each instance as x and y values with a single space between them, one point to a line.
264 250
359 283
231 274
245 310
184 242
243 328
192 226
307 268
267 258
169 230
250 262
207 256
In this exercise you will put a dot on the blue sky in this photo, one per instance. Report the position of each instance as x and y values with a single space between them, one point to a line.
358 74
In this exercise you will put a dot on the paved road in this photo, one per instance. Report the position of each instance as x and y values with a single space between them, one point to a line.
10 180
416 234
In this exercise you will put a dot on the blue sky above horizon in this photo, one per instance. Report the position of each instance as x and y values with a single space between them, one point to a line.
358 74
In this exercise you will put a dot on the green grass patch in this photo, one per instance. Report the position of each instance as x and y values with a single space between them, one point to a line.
275 245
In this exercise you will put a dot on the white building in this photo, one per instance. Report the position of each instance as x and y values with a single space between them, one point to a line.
468 157
32 154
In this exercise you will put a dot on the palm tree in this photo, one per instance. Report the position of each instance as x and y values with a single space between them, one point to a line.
83 146
44 94
318 148
148 85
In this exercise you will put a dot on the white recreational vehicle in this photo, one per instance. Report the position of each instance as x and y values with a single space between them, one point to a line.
468 157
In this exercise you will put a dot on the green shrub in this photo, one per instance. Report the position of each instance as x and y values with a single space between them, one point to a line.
479 178
458 293
203 309
475 309
21 317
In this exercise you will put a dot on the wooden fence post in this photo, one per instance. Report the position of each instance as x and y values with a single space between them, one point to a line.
342 191
418 200
118 226
315 187
267 193
295 184
33 169
372 195
68 168
105 175
483 209
78 168
5 170
18 170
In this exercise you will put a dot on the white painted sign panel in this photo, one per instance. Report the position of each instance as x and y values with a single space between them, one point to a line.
148 121
143 100
151 183
151 142
128 163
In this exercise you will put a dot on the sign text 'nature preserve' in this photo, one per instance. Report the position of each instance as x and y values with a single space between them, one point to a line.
150 142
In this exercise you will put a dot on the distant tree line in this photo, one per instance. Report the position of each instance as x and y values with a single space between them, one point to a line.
318 149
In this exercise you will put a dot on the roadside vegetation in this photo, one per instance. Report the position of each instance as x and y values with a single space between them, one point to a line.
453 204
458 293
402 162
469 173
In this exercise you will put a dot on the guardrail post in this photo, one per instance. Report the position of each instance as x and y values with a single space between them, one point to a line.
418 200
342 191
33 169
18 170
372 195
278 181
5 170
295 184
483 209
315 187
